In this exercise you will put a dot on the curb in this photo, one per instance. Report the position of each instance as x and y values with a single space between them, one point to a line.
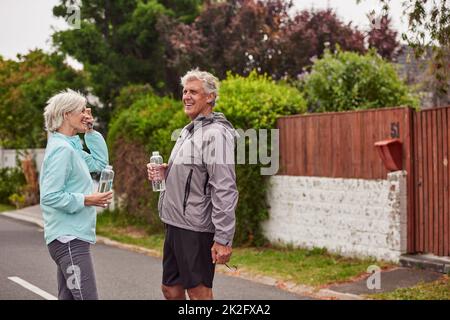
303 290
299 289
434 264
23 218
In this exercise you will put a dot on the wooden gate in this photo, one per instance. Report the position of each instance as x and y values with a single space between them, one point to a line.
430 198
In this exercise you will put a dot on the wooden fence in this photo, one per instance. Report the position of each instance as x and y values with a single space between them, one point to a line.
341 145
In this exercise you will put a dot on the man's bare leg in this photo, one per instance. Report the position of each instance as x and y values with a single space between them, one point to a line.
173 292
200 292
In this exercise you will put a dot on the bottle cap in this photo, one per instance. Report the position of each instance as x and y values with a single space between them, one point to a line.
108 167
155 153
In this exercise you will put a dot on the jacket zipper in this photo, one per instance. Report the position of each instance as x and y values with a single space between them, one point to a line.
187 190
206 184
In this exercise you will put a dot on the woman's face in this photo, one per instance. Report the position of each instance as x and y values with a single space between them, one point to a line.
77 120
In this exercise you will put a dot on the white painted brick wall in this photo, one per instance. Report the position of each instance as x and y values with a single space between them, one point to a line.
353 217
8 157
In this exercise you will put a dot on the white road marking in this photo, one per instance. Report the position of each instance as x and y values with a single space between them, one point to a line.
33 288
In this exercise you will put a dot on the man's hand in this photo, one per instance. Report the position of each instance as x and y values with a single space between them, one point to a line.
220 254
156 172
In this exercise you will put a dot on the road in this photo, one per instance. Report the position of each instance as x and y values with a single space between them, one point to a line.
28 273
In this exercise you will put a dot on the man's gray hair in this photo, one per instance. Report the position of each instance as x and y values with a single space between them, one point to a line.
210 82
57 106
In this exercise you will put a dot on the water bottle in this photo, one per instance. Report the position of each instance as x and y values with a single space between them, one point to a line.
157 160
106 179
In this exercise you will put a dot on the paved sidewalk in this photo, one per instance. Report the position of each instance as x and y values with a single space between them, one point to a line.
389 281
30 214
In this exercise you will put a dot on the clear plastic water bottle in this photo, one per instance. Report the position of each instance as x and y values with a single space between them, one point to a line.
157 160
106 179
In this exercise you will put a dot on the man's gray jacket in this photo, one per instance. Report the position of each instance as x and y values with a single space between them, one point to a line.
201 193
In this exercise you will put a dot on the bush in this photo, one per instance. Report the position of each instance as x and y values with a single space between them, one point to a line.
253 102
12 181
347 81
134 133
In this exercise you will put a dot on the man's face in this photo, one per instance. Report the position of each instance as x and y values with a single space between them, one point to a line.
195 99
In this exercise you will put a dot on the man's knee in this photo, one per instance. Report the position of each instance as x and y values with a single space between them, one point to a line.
200 292
173 292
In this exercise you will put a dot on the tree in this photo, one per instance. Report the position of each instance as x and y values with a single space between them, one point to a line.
310 33
248 35
382 37
118 43
25 86
238 39
429 27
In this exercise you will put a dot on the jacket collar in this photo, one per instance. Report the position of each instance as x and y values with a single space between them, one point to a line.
74 141
200 120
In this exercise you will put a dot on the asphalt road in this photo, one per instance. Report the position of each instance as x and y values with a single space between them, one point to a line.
121 274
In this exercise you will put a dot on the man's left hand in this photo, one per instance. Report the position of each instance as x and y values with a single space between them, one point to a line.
220 254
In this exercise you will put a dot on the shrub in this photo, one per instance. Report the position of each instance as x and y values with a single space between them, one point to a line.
252 102
134 133
12 181
347 81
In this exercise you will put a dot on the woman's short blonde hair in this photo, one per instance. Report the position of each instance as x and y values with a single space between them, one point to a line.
210 82
60 104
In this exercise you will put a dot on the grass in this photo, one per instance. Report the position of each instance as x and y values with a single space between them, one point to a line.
314 267
438 290
6 207
126 229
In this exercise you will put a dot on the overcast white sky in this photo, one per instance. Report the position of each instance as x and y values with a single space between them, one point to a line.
27 24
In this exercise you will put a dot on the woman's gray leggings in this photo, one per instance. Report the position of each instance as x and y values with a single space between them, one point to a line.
76 278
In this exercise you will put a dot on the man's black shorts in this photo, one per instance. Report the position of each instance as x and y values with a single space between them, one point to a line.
187 258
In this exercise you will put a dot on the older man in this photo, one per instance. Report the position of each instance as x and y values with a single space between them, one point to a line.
198 205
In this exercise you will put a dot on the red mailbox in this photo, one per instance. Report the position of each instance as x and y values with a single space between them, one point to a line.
390 151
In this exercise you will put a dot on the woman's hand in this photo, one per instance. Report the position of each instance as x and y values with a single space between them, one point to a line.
99 199
156 172
88 119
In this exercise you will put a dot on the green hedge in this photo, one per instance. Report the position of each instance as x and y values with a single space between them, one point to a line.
134 133
255 102
11 182
252 102
343 81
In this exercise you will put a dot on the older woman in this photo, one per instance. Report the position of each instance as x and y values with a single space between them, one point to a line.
67 197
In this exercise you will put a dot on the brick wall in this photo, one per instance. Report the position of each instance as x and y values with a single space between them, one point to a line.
353 217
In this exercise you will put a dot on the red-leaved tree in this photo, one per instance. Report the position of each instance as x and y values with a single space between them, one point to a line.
243 35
